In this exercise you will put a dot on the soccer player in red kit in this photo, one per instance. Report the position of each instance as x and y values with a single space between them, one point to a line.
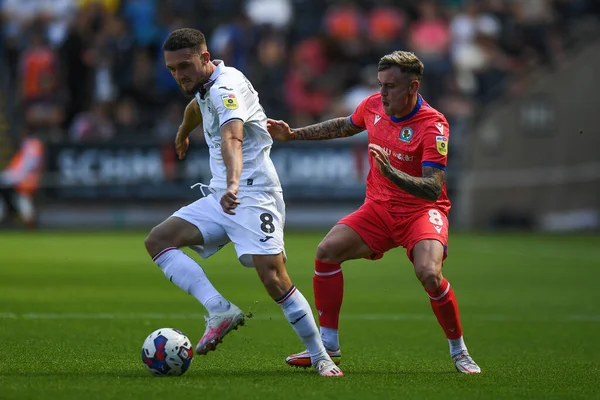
406 203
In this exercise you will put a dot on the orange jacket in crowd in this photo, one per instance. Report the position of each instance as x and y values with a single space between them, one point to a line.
25 168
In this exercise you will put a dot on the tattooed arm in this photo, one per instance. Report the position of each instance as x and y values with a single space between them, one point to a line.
331 129
428 187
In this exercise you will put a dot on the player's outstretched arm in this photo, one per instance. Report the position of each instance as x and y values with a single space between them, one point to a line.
232 134
428 186
331 129
192 117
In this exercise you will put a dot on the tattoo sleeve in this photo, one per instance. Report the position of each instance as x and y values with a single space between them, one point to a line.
331 129
428 186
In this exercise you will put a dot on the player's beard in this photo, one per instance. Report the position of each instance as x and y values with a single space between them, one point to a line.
192 92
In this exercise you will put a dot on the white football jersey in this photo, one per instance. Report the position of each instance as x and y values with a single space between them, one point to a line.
228 95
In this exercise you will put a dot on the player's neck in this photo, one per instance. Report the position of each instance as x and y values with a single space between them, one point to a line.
410 106
211 66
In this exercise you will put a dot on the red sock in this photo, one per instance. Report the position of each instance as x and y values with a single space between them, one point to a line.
328 284
445 308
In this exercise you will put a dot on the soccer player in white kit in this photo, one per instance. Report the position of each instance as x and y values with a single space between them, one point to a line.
244 203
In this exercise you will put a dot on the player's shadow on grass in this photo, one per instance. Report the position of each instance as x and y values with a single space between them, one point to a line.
77 374
146 375
388 372
212 374
247 373
304 373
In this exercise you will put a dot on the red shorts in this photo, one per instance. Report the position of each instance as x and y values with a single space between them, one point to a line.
382 231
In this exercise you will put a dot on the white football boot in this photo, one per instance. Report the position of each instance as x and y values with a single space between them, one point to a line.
326 367
218 325
465 364
302 359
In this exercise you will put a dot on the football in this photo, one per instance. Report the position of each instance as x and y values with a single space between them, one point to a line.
167 351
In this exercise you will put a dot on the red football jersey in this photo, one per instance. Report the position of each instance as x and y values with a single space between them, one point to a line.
413 141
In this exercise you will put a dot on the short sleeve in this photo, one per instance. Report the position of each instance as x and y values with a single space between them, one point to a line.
229 103
435 144
358 116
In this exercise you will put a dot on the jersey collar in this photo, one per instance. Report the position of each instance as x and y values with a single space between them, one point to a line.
213 77
412 113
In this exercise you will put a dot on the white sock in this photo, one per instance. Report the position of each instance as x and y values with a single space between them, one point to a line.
330 338
217 304
190 277
456 346
25 206
299 314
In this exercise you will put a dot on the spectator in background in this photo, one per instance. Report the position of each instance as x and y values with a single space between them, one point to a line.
78 57
305 84
345 25
41 100
107 49
459 109
493 70
231 41
142 88
429 38
386 27
366 86
15 20
104 89
120 47
466 52
269 71
141 15
93 126
20 180
111 6
128 121
534 18
6 144
55 15
276 14
38 67
305 22
169 122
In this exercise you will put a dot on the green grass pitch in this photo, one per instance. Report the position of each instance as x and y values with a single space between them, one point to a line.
76 307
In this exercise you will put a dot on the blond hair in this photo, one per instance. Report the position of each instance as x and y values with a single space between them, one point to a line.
405 60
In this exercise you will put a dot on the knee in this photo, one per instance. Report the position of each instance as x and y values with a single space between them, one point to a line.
156 241
327 251
430 275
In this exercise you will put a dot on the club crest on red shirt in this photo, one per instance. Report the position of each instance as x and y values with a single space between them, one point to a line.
406 134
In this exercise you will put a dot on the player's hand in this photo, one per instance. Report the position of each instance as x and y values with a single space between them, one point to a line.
182 142
279 130
229 200
381 158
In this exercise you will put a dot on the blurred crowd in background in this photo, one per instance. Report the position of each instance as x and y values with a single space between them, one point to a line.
93 70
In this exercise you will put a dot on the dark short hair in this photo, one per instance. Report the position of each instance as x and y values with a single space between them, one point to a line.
408 63
185 38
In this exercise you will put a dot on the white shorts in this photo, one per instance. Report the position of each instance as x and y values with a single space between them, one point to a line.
255 229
